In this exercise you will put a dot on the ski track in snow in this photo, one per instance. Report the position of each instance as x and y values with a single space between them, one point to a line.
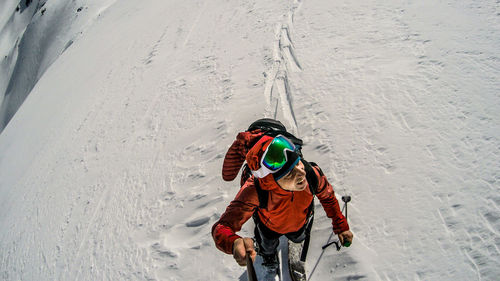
277 88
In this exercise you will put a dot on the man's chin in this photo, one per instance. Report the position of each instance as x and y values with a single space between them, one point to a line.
301 187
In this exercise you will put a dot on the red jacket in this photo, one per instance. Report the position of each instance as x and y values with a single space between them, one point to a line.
286 211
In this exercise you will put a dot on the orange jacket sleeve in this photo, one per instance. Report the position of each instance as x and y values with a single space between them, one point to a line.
237 213
327 198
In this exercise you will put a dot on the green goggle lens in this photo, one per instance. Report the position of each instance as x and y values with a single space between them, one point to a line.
275 156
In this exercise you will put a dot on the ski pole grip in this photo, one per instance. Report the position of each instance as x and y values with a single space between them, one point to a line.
346 198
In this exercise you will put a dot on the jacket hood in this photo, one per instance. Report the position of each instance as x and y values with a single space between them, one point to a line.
253 158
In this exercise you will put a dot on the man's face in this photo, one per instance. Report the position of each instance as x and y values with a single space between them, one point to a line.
295 180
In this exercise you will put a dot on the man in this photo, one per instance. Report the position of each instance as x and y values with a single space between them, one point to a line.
278 169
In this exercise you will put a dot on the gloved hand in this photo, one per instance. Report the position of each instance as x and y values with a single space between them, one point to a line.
241 247
346 238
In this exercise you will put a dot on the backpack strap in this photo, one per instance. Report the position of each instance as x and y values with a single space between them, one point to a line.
313 182
262 194
311 177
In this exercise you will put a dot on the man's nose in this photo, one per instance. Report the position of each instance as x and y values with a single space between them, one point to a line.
300 170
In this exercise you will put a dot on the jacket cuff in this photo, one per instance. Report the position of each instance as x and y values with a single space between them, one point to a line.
341 227
224 238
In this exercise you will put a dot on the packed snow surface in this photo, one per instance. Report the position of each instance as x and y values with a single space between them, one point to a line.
111 168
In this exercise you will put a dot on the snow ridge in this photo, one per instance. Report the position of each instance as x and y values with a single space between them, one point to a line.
32 37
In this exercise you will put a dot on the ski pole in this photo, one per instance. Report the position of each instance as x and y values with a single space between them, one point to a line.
337 244
346 199
252 276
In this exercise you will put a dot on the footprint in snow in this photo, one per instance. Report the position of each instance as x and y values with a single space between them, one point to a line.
198 222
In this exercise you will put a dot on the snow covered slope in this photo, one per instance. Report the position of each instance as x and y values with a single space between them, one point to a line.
32 35
110 170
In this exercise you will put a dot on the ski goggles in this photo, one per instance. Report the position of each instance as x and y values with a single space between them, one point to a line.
276 157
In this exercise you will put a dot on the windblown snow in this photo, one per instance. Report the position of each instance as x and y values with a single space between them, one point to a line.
111 167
